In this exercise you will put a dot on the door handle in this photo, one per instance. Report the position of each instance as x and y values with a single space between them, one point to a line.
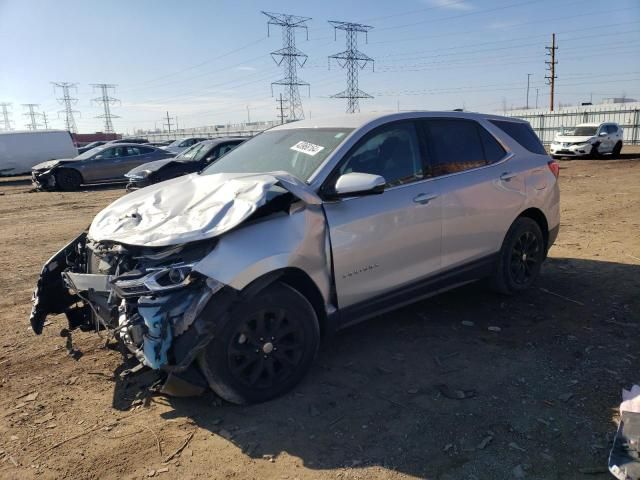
425 198
507 176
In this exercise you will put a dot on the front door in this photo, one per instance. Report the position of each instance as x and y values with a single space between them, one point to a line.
383 242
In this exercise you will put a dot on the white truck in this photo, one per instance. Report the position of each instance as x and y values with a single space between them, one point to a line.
21 150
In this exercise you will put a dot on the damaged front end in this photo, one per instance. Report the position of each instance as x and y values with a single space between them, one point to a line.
163 279
149 298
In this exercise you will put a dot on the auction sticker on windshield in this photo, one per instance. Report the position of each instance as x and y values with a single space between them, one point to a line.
307 147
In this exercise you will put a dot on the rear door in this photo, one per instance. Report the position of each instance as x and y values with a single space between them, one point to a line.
481 190
383 242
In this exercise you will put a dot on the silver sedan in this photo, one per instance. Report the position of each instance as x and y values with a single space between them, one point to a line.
104 164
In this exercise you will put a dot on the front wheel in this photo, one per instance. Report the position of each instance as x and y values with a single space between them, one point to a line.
68 179
520 257
616 150
594 152
265 348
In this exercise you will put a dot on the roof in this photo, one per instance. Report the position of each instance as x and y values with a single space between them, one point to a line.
31 131
357 120
215 141
591 124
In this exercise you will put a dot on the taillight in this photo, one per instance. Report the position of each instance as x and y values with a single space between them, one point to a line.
554 167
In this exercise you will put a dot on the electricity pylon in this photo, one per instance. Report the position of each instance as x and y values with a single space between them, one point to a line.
68 101
106 102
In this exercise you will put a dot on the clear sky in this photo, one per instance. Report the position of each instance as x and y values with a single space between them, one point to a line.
207 61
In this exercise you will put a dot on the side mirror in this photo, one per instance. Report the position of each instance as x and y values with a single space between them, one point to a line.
98 157
355 183
602 134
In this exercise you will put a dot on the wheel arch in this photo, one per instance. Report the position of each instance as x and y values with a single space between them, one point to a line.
540 218
300 281
69 167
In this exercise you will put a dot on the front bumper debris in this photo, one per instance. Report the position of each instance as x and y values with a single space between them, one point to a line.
153 311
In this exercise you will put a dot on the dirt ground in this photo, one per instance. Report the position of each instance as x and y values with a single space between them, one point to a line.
540 391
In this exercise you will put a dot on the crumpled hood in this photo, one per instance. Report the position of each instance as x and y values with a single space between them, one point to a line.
51 163
572 139
151 166
192 207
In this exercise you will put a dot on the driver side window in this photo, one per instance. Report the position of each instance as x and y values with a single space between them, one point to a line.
391 151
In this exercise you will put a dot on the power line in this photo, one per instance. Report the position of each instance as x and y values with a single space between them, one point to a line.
291 57
352 59
6 121
551 66
106 102
68 103
32 115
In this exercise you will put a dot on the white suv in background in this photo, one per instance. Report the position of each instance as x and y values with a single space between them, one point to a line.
588 139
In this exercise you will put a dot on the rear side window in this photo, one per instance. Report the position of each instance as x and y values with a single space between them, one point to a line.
521 133
454 146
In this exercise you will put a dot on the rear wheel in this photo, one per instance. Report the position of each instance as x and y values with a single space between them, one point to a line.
616 150
520 258
68 179
265 348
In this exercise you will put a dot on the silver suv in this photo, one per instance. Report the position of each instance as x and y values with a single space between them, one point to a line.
229 277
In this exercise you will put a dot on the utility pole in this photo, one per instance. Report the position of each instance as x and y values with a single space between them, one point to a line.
281 101
249 114
45 120
32 115
352 59
291 58
68 103
551 66
106 102
168 123
5 116
536 98
528 77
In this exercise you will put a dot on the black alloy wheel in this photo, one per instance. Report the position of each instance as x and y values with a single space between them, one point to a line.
265 347
68 179
520 258
525 257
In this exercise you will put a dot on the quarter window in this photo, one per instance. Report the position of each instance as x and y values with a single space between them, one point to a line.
454 146
392 152
523 134
493 151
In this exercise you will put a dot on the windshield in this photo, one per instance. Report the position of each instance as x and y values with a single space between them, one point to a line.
195 153
296 151
90 153
583 132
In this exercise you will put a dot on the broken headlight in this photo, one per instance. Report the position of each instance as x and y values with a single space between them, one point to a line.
157 281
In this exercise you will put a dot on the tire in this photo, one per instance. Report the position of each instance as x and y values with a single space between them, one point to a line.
265 349
68 180
520 258
616 150
594 152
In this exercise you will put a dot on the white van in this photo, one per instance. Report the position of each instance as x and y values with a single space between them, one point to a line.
21 150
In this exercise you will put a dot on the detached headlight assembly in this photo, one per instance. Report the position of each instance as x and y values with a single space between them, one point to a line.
156 282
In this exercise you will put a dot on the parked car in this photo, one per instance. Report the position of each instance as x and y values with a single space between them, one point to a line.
104 164
182 144
162 143
21 150
589 139
191 160
227 278
89 146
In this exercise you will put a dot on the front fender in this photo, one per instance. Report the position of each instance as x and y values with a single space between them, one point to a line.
297 239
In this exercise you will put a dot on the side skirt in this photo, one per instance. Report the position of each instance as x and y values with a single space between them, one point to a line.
415 292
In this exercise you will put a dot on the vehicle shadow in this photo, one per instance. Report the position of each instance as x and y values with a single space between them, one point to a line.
468 384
